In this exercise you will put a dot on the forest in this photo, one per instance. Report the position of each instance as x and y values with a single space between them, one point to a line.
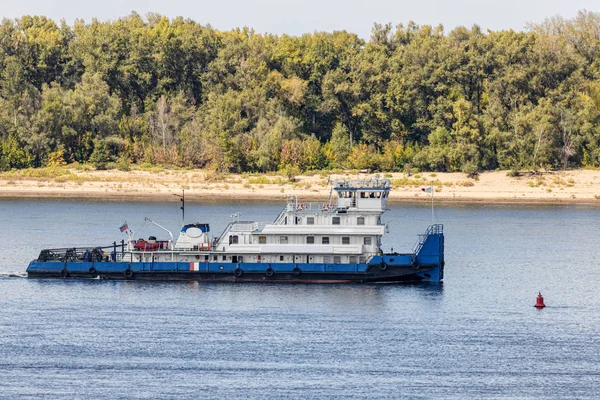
173 92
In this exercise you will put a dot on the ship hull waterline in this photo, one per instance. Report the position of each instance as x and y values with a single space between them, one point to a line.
139 271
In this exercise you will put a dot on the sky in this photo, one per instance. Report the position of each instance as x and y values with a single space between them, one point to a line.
296 17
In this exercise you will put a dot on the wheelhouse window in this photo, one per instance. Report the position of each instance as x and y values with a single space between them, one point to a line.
325 240
310 240
283 239
360 221
335 221
367 240
310 220
233 239
337 259
345 239
262 240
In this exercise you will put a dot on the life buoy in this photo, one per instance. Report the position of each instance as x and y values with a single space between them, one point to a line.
238 272
297 271
269 271
128 273
383 266
64 273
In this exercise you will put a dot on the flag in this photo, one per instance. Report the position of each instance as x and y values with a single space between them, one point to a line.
427 190
124 227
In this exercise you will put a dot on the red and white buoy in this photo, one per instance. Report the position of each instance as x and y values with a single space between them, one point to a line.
539 301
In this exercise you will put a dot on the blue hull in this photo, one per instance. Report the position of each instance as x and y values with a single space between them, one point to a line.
238 272
426 264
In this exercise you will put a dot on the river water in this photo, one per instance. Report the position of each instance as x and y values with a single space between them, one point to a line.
477 335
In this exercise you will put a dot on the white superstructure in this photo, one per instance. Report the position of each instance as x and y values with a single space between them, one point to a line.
345 230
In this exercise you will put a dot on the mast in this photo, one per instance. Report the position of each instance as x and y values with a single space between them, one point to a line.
182 208
432 212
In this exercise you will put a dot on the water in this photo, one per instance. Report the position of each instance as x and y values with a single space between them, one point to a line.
475 336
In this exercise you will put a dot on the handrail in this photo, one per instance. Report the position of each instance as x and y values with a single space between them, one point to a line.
435 229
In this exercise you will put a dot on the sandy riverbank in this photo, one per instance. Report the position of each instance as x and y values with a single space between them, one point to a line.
570 187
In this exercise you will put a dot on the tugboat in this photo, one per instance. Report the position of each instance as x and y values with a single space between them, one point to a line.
326 242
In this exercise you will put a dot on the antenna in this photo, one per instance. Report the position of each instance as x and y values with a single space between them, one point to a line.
432 209
182 208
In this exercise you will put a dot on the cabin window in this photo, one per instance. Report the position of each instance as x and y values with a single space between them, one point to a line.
337 259
280 258
325 240
310 240
283 239
367 240
352 259
335 220
214 258
224 258
360 221
346 240
377 195
310 220
362 259
233 239
326 259
206 258
262 240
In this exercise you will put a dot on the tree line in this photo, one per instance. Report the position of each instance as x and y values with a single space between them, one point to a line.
172 91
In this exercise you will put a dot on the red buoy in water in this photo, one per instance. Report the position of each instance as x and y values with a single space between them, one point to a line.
539 301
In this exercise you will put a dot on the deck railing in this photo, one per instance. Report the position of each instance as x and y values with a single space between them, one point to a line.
114 252
435 229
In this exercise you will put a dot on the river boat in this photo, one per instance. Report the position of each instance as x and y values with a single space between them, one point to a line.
338 241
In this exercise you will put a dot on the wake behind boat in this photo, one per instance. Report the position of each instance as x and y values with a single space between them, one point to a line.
333 242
